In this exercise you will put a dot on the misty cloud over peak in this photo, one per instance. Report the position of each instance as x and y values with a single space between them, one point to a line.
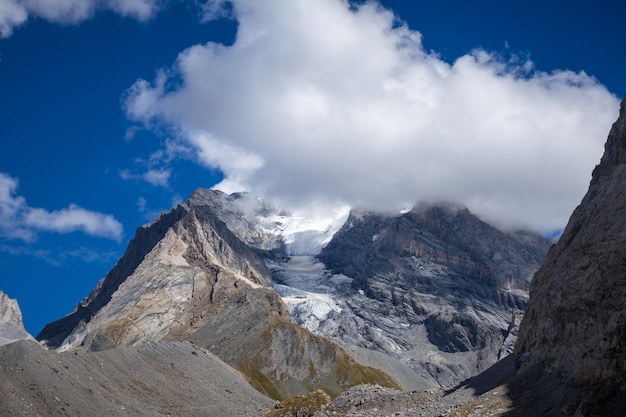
335 103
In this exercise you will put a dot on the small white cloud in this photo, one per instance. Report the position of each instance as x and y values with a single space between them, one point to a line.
61 11
130 134
139 9
156 177
11 209
141 204
324 100
74 218
89 255
148 213
215 9
19 221
13 13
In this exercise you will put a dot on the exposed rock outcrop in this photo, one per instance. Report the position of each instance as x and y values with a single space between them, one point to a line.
11 326
572 341
436 288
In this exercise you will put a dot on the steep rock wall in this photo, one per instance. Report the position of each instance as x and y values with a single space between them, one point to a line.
573 335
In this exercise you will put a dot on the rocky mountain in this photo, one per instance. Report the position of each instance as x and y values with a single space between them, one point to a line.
192 276
436 288
11 326
228 300
572 341
416 300
431 296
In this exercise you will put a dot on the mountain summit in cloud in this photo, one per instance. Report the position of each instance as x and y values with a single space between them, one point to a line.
336 102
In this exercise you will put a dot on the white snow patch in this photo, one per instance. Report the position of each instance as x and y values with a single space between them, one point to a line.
307 289
306 234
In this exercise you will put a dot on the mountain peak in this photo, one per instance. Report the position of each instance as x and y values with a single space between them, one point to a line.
11 326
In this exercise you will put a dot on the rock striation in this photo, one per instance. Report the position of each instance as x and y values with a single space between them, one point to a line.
436 288
11 326
572 340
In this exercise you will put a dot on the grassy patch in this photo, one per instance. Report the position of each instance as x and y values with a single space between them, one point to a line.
314 402
351 373
259 380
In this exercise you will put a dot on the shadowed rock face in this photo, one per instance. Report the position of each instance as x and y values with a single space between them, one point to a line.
573 335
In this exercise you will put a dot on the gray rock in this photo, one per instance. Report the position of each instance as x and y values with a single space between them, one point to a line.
435 288
11 326
573 334
154 379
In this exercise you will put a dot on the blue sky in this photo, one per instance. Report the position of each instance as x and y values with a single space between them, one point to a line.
104 124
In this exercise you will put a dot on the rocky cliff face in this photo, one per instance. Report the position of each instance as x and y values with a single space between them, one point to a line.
573 336
11 326
190 276
435 288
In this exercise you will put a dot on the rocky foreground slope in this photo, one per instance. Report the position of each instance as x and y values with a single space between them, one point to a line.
154 379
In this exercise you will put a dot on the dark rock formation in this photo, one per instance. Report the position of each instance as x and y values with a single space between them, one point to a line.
572 341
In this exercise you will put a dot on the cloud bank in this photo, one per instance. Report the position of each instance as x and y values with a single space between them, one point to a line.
323 101
19 221
13 13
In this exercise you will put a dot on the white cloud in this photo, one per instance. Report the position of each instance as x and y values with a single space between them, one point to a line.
74 218
19 221
16 12
215 9
148 213
12 14
11 208
139 9
320 101
156 177
58 258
